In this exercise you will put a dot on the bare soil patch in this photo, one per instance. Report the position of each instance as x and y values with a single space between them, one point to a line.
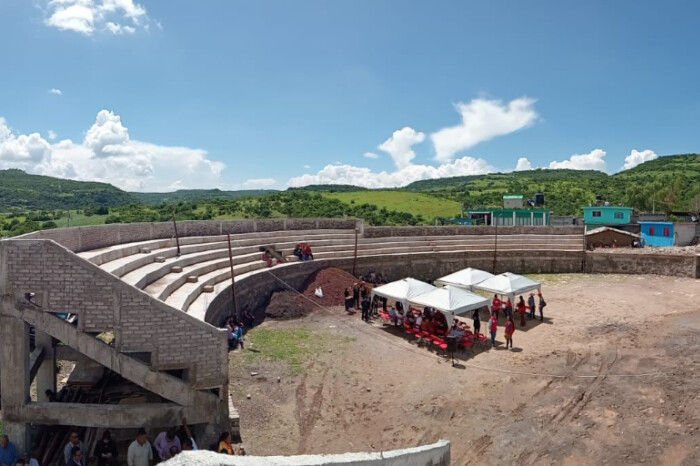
610 377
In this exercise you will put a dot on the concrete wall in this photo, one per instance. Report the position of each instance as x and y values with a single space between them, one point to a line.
685 233
437 454
255 290
639 264
65 283
79 239
452 230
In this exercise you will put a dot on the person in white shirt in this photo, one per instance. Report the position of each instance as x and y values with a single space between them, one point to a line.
140 452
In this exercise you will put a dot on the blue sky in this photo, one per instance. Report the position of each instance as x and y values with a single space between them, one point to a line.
156 95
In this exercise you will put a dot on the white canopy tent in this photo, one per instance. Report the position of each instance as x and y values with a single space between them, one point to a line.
451 300
509 284
403 290
465 278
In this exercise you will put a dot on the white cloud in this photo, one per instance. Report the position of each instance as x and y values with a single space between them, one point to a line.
115 28
398 146
108 154
362 176
594 160
258 183
482 120
636 157
88 16
523 164
370 155
52 135
55 91
308 167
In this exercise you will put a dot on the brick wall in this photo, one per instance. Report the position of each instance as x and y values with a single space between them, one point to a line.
637 264
63 282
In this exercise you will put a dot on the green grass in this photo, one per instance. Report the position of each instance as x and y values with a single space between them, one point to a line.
80 220
295 347
403 201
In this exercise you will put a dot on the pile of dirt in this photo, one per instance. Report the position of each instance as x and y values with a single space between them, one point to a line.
333 282
287 305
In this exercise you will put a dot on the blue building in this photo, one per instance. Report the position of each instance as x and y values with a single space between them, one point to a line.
657 233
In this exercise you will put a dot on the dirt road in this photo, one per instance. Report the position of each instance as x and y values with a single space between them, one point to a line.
611 377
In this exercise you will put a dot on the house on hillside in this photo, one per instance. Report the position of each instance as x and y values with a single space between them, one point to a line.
608 237
512 214
609 215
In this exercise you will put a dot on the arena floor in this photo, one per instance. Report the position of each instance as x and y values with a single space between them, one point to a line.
611 377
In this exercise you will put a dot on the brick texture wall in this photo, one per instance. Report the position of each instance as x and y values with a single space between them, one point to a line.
63 282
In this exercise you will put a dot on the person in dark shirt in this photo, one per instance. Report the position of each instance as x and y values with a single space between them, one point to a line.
531 305
106 451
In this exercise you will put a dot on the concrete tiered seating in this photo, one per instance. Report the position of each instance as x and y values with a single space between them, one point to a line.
205 263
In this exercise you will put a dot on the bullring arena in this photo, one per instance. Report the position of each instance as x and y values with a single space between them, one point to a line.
609 377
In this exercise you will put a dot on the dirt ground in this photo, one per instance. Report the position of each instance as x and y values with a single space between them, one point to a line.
610 377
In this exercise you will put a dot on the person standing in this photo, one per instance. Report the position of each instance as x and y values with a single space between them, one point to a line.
542 304
493 328
522 309
8 452
531 305
477 321
510 329
106 450
496 305
73 441
225 446
165 441
356 295
140 452
76 457
365 308
189 443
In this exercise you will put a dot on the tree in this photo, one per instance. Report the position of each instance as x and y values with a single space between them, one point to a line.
694 207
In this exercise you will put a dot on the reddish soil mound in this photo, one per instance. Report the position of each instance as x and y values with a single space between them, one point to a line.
333 282
287 305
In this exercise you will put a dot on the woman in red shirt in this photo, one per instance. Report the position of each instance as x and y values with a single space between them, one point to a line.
496 305
493 328
510 328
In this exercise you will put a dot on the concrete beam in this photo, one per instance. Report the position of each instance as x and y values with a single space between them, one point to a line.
14 358
112 416
66 353
36 357
160 383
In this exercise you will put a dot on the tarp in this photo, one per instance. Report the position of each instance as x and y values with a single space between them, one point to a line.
465 278
403 290
510 284
451 300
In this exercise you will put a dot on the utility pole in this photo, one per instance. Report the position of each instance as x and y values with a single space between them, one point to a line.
233 277
354 260
177 239
495 242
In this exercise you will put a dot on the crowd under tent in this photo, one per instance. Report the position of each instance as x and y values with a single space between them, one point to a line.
451 301
465 278
403 290
509 284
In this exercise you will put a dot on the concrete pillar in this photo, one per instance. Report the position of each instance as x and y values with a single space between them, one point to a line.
14 357
46 375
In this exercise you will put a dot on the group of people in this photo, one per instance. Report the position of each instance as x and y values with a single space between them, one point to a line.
523 308
303 252
359 297
236 332
140 452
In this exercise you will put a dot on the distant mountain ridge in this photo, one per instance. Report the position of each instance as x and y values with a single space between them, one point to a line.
20 190
195 195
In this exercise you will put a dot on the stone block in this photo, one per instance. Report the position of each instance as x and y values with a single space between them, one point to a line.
192 279
160 259
208 289
176 269
144 250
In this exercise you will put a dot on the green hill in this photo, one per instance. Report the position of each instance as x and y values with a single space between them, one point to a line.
22 191
197 195
667 183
